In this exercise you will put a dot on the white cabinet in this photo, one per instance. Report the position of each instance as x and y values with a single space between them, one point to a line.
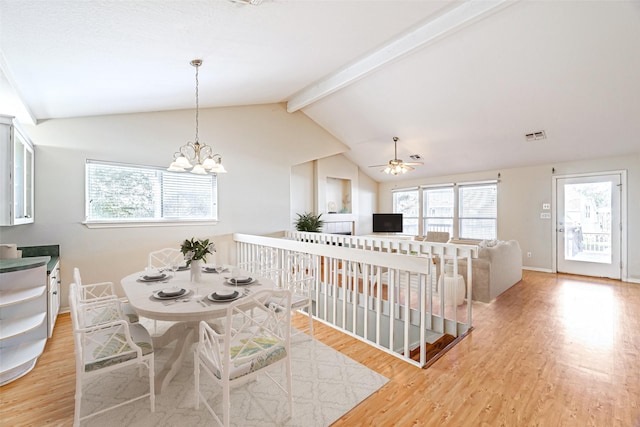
23 315
16 176
53 301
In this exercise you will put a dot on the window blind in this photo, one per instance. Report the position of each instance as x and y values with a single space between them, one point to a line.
438 209
118 192
478 211
407 203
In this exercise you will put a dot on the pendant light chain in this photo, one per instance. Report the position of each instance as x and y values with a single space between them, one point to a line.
198 158
197 101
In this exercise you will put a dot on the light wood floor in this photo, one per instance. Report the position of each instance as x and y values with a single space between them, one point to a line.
554 350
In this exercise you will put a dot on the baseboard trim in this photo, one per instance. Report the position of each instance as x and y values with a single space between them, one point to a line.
542 270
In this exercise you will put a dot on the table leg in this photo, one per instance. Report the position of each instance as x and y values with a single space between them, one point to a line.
184 333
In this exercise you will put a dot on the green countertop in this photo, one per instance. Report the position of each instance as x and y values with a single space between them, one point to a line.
18 264
44 250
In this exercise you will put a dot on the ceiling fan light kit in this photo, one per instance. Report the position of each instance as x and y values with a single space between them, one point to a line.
397 166
198 157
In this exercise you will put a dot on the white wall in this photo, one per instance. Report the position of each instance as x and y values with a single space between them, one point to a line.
307 182
303 193
259 144
368 203
521 193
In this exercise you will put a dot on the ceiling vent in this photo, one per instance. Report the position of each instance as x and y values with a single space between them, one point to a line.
415 157
534 136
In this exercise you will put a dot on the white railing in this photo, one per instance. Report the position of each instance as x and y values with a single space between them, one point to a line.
596 242
383 291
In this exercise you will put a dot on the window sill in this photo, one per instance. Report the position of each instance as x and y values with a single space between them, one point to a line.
140 224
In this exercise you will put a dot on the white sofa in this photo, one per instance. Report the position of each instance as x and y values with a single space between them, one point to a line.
497 268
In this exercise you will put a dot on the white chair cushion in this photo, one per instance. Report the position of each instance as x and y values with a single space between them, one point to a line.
298 301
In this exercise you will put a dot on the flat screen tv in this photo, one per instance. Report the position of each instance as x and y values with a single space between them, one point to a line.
387 223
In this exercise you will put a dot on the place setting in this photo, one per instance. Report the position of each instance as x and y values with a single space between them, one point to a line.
214 269
154 276
172 295
224 296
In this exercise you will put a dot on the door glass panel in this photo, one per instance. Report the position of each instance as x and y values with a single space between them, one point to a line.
18 179
587 222
28 184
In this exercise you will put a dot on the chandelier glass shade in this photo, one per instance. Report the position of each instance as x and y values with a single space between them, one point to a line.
397 167
197 157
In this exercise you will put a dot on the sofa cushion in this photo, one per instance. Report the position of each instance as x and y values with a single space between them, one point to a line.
496 269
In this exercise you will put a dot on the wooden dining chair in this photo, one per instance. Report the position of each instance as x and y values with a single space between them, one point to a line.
101 291
256 338
301 281
166 258
266 263
103 345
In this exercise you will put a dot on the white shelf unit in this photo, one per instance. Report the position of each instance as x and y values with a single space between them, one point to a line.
23 316
20 325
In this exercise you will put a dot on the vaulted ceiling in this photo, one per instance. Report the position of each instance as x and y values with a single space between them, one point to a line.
460 83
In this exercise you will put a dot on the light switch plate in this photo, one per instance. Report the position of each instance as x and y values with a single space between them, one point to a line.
546 206
545 215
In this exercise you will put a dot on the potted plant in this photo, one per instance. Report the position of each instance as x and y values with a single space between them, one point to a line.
195 253
309 222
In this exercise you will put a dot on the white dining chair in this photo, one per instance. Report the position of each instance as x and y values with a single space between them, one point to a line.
267 264
101 291
301 281
167 258
256 338
106 345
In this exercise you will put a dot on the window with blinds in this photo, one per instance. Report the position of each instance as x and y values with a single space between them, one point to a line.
478 211
121 193
438 208
407 203
465 211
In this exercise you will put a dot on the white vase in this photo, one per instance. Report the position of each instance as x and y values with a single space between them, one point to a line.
196 270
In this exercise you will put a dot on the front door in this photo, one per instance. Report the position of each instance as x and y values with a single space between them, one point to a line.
588 225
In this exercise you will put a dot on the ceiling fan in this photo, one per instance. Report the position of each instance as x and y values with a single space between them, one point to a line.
397 166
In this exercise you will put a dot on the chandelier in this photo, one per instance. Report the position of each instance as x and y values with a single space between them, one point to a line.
198 157
395 165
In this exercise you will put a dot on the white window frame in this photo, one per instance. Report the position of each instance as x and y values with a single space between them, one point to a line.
156 196
455 233
460 218
425 215
405 218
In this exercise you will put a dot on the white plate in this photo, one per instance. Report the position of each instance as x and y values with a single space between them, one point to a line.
156 295
153 275
147 278
170 292
250 281
212 297
211 270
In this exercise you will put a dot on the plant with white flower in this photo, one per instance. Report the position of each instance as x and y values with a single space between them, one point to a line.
196 249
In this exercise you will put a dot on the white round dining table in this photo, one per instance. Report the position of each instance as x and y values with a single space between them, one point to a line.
187 310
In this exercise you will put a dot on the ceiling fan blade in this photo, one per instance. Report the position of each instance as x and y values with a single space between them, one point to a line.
378 166
414 163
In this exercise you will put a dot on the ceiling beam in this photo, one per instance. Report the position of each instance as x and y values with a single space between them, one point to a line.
11 103
415 38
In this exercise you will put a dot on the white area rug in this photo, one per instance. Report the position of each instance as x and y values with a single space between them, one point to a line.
326 385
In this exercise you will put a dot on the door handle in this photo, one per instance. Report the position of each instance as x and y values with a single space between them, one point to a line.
560 230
